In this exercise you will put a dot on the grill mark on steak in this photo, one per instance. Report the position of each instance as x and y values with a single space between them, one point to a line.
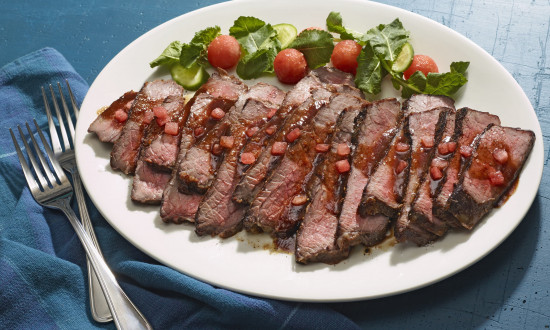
476 193
469 124
422 208
126 148
220 91
372 139
269 212
218 214
422 126
106 126
316 236
283 121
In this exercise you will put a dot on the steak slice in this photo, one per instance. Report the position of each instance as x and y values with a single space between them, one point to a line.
424 102
499 155
126 148
382 197
158 154
149 183
218 214
425 130
372 139
220 91
422 208
160 149
106 126
271 209
316 237
469 124
279 126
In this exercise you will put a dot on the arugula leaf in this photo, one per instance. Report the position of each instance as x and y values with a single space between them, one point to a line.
255 64
190 54
387 40
447 83
259 40
169 56
316 45
206 36
414 85
334 24
369 71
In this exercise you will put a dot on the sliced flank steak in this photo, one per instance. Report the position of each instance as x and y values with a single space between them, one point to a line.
221 91
316 236
290 113
218 213
271 211
468 125
497 159
373 137
425 130
421 213
127 147
108 125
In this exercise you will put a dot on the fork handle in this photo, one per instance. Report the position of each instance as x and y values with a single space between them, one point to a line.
125 314
98 302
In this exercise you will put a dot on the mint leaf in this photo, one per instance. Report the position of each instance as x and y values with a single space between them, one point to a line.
169 56
335 24
255 64
460 67
259 40
254 34
369 71
316 45
387 40
205 37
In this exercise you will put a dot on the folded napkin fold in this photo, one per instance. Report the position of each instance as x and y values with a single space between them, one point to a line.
43 280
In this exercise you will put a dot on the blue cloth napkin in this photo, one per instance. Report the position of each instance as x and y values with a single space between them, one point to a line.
43 276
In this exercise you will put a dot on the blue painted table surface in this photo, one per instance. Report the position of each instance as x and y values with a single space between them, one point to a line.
508 289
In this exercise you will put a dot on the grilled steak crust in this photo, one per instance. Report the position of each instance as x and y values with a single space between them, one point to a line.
280 124
468 125
218 214
422 208
374 133
126 148
425 130
316 236
220 91
106 126
269 212
486 177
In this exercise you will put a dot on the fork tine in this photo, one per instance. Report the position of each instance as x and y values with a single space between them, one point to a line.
43 162
60 120
67 114
56 166
73 100
34 164
56 145
33 185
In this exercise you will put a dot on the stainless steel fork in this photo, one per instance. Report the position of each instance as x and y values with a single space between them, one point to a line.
64 153
52 189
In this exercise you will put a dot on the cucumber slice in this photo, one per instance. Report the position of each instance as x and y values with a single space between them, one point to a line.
190 78
286 33
404 59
